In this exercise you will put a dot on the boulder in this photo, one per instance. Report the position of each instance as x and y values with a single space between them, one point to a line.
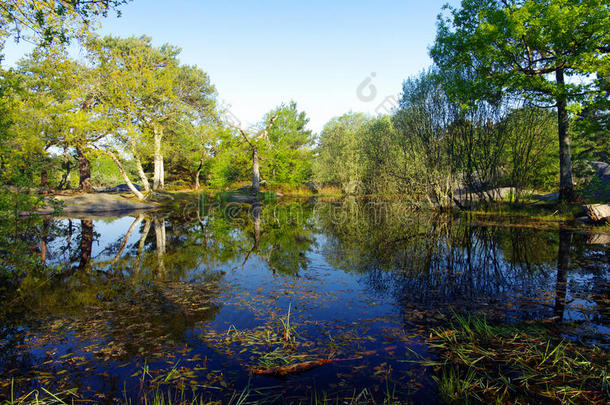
598 212
599 239
311 186
121 188
598 187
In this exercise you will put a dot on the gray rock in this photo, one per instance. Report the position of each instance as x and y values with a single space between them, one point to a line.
598 212
599 186
311 186
121 188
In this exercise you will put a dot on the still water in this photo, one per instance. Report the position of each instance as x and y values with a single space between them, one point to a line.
195 299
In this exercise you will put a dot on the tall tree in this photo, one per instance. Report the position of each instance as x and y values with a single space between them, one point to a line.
254 141
151 93
64 96
289 152
338 154
534 48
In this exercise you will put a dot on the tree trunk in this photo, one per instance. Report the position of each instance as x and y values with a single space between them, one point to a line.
198 172
142 175
84 170
133 226
44 179
256 215
141 246
65 178
124 174
160 239
158 178
566 185
139 168
256 177
86 243
563 266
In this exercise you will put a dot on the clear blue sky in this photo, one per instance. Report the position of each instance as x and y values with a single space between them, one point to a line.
317 53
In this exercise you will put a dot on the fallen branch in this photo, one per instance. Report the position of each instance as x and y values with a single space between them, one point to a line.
291 369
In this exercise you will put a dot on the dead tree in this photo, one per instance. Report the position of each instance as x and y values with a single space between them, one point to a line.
252 142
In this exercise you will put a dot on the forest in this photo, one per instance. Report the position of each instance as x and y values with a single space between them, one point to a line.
157 248
502 107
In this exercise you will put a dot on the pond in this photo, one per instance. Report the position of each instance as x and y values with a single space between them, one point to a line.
293 301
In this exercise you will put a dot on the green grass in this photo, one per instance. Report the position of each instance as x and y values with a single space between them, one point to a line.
42 397
481 363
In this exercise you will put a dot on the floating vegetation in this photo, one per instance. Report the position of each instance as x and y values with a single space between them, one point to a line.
507 364
300 308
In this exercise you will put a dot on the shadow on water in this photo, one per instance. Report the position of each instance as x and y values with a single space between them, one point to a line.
201 296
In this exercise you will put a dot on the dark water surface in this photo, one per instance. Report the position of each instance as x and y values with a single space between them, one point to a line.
194 299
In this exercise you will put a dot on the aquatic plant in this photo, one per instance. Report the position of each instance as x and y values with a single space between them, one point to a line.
480 362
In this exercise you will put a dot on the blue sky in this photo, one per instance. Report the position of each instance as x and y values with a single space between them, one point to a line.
317 53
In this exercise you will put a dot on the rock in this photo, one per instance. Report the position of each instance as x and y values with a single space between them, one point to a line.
598 187
599 239
311 186
121 188
598 212
549 197
94 204
603 169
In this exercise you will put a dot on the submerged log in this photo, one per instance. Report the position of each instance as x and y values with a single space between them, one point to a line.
291 369
598 212
282 371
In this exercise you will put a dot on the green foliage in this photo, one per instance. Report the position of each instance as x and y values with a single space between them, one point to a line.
592 126
545 51
104 172
51 22
532 160
288 156
486 48
338 153
21 150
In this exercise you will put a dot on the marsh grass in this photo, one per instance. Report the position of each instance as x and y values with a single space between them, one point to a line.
43 397
482 363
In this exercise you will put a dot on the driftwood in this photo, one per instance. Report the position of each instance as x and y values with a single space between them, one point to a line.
281 371
598 212
291 369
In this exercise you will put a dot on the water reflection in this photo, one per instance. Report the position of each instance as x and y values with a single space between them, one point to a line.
129 289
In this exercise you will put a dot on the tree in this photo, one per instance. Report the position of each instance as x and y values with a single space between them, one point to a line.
51 22
592 126
254 143
151 94
288 155
64 96
22 151
535 48
338 154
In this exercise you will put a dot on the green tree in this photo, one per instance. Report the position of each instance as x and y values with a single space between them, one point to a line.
64 96
592 126
151 96
288 155
338 154
22 150
535 48
49 22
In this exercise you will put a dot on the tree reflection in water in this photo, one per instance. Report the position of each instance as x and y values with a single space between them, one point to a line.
142 285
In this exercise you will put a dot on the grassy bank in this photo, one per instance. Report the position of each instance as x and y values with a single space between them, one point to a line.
482 363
